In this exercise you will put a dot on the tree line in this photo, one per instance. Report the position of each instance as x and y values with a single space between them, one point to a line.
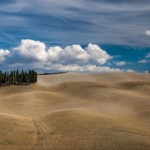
15 77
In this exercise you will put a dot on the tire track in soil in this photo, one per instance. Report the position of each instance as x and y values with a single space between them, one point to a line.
42 138
47 131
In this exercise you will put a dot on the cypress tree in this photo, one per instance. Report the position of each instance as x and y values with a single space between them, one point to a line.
35 73
22 76
30 76
11 77
14 77
1 77
17 76
5 77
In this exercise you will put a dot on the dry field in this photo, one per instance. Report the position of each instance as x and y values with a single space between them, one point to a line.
77 112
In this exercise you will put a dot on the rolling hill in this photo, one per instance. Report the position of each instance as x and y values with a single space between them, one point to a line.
74 111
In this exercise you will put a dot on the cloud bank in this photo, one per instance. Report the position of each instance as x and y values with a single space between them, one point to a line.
32 53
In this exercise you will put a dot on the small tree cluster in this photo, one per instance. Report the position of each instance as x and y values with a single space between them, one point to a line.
18 78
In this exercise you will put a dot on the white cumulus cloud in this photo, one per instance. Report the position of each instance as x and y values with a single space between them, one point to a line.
3 54
97 54
121 63
147 33
142 61
130 70
69 55
75 54
30 49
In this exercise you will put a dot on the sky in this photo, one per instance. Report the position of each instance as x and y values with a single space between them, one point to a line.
93 36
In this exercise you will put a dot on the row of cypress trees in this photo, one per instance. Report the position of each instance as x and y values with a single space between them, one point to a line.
18 78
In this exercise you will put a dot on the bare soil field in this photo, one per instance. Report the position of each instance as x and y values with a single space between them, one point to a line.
74 111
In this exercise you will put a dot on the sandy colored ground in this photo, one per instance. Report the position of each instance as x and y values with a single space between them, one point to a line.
77 112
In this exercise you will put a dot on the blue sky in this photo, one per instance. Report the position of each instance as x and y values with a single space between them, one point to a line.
79 35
